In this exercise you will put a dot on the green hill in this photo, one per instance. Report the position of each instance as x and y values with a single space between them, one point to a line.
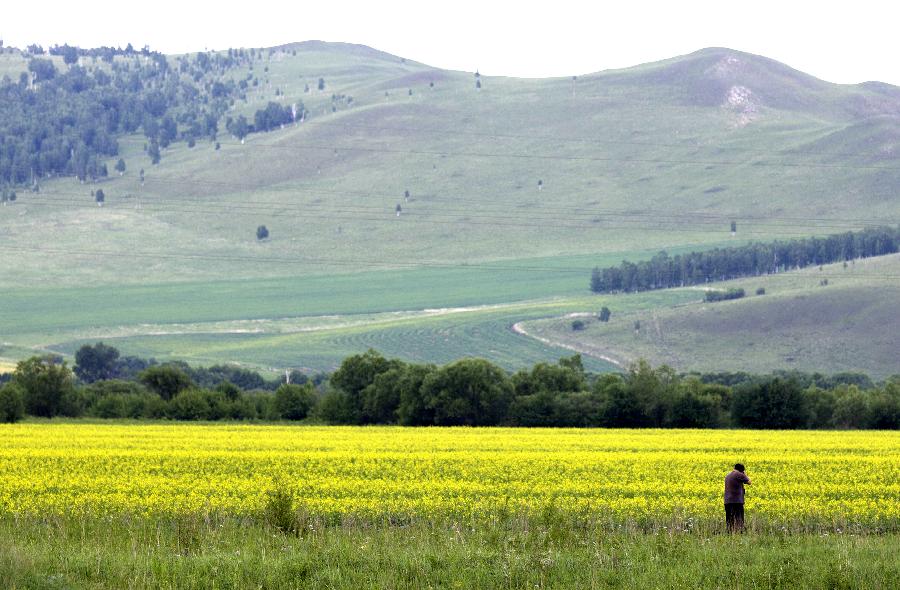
631 161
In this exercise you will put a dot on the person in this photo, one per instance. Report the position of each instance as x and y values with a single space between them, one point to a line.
734 498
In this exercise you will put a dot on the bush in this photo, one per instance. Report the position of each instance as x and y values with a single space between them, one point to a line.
578 325
761 291
712 296
12 404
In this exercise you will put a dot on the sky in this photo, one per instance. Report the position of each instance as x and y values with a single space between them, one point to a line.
844 42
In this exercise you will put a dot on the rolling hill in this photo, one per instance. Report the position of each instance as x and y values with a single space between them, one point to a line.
516 189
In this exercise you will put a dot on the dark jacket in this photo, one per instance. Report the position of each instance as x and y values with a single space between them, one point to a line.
734 487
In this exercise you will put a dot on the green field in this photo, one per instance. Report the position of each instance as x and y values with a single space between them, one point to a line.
848 324
632 161
203 553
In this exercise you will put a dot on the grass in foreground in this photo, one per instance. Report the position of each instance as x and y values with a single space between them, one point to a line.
193 552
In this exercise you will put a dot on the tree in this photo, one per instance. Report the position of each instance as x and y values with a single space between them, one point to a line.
42 69
469 392
605 314
45 381
96 363
262 232
770 403
240 128
99 197
12 404
413 409
294 402
355 374
69 54
154 152
165 380
622 408
120 166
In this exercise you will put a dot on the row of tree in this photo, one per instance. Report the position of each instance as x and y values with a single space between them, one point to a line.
756 259
371 389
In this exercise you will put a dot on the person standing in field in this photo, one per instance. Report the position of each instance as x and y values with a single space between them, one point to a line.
734 498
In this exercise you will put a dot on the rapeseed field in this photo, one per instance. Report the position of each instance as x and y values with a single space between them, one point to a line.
833 478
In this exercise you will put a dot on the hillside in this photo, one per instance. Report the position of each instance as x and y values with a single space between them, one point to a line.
520 186
848 324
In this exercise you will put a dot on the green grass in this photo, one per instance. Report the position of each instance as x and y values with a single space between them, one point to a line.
198 552
632 161
850 324
316 321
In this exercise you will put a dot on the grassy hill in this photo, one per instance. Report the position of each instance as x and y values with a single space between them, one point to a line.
631 161
848 324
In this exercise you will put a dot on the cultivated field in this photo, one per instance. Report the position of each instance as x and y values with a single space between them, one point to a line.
619 477
234 506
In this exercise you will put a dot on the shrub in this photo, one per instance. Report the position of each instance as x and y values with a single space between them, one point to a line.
712 296
578 325
761 291
278 511
12 404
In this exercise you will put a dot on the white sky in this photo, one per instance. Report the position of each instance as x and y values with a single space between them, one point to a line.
843 41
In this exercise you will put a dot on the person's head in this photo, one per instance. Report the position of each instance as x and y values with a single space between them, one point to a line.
739 467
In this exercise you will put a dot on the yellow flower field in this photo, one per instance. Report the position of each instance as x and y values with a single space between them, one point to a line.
162 469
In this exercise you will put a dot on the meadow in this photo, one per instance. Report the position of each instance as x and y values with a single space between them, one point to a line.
229 506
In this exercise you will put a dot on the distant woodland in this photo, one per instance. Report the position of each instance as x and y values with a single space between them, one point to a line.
65 122
721 264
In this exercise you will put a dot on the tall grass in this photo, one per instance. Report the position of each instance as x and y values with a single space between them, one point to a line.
206 551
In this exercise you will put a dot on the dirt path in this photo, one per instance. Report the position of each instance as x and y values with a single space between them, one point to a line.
518 329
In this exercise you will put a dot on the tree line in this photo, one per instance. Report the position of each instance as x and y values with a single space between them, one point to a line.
371 389
755 259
